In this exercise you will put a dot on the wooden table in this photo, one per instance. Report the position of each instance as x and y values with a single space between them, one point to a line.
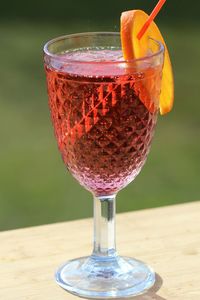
167 238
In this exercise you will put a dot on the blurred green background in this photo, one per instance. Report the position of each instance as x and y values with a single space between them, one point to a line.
34 185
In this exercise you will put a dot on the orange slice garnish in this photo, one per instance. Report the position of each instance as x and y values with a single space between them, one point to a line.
131 23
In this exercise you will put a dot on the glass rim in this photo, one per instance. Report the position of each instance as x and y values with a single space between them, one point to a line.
82 34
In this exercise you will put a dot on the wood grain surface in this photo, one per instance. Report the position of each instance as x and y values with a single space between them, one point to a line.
167 238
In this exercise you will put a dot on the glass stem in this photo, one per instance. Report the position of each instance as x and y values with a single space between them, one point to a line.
104 226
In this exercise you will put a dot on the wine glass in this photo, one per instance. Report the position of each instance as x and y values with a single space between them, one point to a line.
104 111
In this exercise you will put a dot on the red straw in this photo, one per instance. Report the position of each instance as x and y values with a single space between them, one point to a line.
151 18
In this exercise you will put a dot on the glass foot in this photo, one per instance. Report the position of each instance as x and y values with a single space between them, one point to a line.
105 278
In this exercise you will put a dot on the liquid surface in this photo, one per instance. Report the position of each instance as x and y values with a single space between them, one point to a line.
103 129
101 62
95 55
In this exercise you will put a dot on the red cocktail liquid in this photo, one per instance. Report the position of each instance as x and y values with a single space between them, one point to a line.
102 127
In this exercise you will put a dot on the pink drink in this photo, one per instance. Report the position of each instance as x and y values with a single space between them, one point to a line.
102 127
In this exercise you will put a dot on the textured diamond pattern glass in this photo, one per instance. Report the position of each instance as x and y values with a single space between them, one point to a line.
104 112
103 129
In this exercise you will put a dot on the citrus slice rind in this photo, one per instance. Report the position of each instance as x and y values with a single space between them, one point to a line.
133 48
